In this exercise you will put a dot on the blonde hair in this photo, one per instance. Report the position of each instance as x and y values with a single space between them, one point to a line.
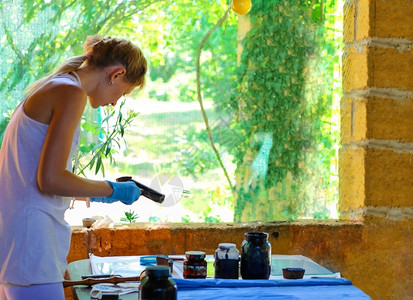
100 52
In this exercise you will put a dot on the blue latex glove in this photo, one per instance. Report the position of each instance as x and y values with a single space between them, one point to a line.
127 192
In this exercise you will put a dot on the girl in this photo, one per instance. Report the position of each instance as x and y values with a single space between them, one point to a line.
35 162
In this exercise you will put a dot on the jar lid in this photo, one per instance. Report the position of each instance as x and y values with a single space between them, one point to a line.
195 254
158 271
256 237
226 246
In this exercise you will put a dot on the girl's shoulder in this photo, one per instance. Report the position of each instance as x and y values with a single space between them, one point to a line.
62 87
57 94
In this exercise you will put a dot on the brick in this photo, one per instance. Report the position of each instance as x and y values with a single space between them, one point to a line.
352 179
392 68
377 67
365 9
393 19
345 120
356 69
349 20
390 119
353 120
374 177
388 178
380 18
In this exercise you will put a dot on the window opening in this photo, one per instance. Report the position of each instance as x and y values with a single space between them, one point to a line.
166 143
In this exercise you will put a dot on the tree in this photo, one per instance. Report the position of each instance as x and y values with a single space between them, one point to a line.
283 101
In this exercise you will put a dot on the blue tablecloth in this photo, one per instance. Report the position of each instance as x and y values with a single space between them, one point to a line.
315 288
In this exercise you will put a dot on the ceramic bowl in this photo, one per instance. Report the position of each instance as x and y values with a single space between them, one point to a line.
293 273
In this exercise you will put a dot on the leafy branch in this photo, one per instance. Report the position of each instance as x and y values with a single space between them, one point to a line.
110 137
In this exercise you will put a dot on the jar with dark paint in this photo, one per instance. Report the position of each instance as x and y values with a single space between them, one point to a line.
256 256
226 261
157 285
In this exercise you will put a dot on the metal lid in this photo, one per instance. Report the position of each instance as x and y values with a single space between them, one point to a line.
158 271
256 237
195 254
226 246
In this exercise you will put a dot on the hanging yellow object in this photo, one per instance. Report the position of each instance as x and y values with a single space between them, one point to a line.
241 7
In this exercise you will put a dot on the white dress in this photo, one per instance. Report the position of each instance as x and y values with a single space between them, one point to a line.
34 237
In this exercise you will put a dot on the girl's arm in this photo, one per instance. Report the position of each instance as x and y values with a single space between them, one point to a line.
67 103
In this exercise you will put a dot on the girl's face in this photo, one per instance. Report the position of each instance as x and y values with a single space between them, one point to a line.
110 94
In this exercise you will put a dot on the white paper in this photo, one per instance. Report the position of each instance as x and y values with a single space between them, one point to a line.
99 290
125 266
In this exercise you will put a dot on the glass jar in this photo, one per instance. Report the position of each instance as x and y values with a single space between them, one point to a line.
157 284
256 256
226 261
195 265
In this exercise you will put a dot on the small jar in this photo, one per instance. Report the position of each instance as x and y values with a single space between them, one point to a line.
226 261
157 284
256 256
195 265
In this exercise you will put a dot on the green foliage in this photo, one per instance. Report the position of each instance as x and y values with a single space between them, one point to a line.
40 35
282 95
130 217
37 36
219 198
175 30
107 136
194 156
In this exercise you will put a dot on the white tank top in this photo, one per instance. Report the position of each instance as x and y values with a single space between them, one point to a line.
34 237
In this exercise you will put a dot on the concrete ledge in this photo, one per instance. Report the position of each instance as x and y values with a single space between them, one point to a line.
327 242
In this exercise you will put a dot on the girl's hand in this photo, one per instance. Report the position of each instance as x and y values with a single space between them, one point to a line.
127 192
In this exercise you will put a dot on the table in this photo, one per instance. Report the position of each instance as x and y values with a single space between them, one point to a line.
312 286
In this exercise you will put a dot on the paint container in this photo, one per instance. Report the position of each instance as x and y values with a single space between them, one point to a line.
157 284
226 261
195 265
256 256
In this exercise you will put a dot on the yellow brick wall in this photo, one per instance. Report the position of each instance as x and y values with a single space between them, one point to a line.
377 107
376 155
